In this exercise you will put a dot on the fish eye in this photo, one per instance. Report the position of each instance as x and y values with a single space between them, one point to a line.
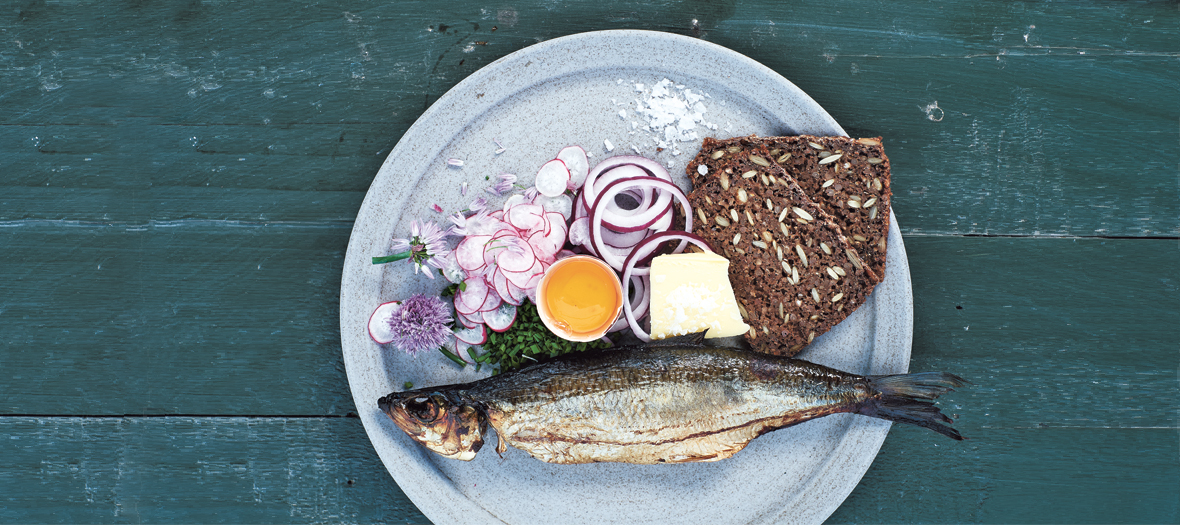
422 409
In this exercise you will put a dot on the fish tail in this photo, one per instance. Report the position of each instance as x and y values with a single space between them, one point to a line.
908 398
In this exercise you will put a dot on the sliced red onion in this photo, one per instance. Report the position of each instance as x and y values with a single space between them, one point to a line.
596 218
623 239
653 168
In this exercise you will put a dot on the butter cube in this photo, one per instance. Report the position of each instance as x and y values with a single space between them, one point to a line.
690 292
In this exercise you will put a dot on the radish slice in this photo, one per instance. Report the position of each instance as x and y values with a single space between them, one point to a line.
477 335
596 217
379 322
579 234
526 217
469 253
562 204
642 251
467 321
516 295
575 160
491 302
552 178
501 318
513 201
472 296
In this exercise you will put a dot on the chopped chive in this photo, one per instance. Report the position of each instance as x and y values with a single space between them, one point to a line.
451 355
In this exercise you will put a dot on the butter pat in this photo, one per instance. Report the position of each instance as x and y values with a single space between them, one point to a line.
690 292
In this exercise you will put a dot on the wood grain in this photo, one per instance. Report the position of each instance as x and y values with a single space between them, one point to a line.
1007 120
248 470
195 470
225 320
179 181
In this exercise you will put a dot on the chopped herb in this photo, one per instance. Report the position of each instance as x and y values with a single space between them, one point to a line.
408 386
451 355
528 341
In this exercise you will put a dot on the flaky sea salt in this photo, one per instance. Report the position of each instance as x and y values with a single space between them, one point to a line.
672 112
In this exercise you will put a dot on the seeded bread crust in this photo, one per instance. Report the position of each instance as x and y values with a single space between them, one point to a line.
787 299
858 196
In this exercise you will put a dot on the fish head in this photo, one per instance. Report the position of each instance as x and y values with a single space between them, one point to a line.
441 421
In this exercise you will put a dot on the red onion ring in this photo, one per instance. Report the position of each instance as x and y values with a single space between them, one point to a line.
596 218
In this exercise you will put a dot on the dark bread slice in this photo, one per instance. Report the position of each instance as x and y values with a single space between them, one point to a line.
786 301
859 176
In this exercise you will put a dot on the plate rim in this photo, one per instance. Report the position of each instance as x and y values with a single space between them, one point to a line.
870 433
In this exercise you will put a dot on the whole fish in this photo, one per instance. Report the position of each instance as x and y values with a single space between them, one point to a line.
673 401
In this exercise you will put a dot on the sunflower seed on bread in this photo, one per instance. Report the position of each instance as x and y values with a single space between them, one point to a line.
786 288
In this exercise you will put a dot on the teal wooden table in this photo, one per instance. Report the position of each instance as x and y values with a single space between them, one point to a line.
178 182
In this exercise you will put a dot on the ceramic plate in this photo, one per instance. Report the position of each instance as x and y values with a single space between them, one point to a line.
585 90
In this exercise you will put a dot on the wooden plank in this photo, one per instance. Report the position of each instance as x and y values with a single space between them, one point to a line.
213 318
1021 475
189 318
254 470
195 470
1002 121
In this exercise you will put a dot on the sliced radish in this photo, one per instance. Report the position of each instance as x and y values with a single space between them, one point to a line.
552 178
467 321
516 295
379 322
477 335
501 318
468 300
499 283
576 162
561 204
469 253
526 217
513 201
516 259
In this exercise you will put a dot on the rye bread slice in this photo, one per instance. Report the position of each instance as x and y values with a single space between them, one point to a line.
794 278
857 196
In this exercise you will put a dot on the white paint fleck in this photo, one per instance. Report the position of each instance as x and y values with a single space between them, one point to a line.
933 112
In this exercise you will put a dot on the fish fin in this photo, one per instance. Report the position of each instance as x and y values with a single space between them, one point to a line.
908 398
694 339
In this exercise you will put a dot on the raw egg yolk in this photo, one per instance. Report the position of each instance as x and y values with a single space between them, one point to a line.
581 296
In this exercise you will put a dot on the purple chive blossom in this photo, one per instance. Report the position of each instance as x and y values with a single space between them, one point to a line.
463 187
426 243
478 205
499 147
436 208
455 163
420 324
504 186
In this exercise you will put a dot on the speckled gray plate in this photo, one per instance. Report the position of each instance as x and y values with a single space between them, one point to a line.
536 101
